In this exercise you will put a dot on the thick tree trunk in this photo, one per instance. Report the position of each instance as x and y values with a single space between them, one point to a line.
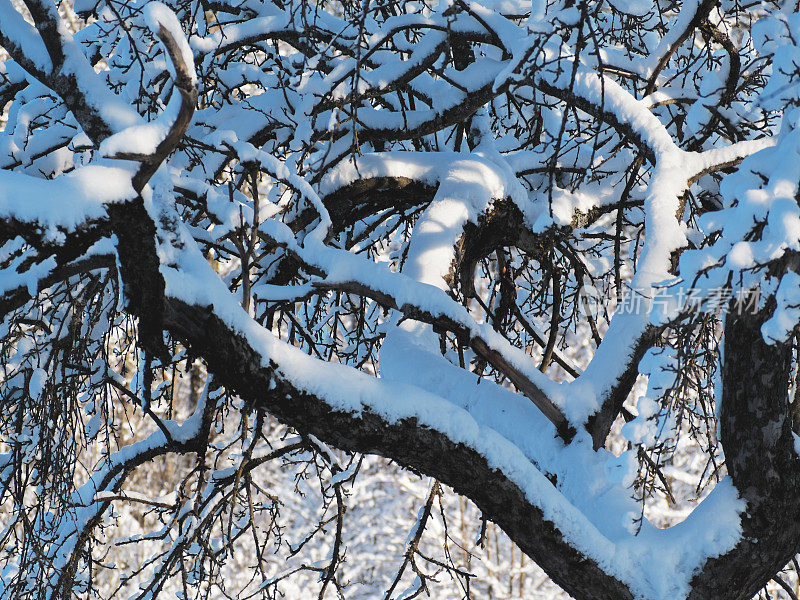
755 429
760 456
754 419
240 368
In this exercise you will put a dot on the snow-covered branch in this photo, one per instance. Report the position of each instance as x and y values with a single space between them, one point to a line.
536 252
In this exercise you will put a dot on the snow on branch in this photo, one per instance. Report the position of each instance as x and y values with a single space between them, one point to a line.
543 254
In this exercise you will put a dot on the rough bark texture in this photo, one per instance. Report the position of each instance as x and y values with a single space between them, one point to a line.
758 444
755 427
755 424
139 266
756 437
237 366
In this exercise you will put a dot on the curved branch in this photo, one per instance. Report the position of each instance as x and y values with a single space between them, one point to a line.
185 81
413 445
700 14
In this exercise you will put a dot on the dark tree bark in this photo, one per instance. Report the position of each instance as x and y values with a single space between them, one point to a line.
757 439
238 366
755 425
